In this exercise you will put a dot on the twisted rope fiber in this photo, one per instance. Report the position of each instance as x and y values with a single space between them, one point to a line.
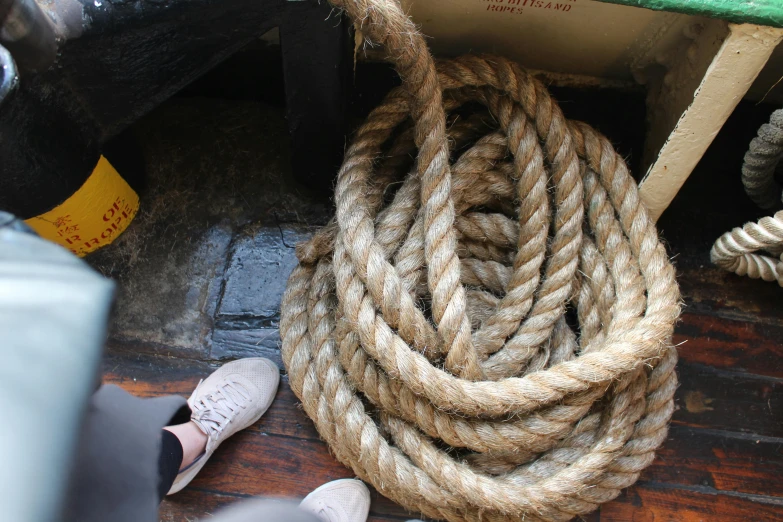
761 161
736 250
483 332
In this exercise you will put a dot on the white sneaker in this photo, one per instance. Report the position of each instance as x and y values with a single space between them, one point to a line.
231 399
344 500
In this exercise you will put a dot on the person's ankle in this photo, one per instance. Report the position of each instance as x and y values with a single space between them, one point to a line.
192 439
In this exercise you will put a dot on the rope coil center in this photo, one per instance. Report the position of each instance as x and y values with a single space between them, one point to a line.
483 332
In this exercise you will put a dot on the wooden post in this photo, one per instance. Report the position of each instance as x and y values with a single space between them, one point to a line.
728 77
317 67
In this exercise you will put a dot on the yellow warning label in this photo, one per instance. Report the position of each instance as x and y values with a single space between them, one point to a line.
93 216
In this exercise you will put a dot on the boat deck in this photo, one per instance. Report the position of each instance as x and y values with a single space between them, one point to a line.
202 270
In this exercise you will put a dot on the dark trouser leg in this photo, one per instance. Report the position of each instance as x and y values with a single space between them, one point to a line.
169 462
116 474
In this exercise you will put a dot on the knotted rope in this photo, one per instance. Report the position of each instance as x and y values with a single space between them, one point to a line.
736 250
484 332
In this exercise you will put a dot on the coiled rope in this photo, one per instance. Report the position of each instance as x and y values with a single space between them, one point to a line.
761 162
737 250
484 332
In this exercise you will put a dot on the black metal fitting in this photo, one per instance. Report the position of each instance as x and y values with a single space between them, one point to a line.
28 34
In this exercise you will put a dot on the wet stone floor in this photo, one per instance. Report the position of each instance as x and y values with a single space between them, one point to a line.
203 267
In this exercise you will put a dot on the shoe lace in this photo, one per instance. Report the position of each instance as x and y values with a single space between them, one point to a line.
326 512
215 410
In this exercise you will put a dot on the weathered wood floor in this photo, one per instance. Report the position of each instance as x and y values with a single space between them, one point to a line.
723 459
188 299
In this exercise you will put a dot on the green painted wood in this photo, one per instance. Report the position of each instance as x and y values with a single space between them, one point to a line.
762 12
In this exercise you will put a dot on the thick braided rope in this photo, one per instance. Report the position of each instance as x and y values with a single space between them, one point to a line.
735 251
761 162
504 295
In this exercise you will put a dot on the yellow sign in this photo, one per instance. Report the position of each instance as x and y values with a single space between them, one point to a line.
93 216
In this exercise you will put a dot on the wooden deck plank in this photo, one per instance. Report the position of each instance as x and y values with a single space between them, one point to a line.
711 291
653 502
278 467
707 397
190 505
282 455
730 344
731 401
723 461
